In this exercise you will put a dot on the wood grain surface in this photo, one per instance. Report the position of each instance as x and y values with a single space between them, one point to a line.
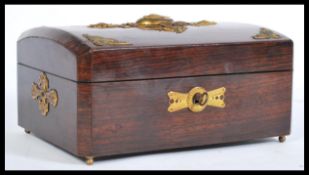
114 118
66 54
113 100
59 127
132 116
190 61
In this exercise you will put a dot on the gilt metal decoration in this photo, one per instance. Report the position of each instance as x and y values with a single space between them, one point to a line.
266 34
155 22
196 99
43 96
101 41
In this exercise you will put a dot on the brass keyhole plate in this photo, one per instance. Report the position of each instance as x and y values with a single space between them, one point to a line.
179 101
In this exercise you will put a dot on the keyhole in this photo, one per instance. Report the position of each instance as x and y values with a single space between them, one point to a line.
200 99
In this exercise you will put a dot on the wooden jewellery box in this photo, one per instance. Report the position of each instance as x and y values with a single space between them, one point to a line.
155 84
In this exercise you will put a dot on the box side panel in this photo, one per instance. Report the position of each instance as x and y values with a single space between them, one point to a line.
54 51
184 61
59 125
48 55
132 116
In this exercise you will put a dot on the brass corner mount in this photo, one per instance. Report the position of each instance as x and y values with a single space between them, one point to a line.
155 22
102 41
266 34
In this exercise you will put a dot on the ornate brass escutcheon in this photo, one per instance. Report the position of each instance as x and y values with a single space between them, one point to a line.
42 95
196 99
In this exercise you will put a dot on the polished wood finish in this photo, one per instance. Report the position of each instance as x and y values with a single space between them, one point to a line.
84 119
71 56
132 116
59 127
68 125
54 51
190 61
113 100
221 33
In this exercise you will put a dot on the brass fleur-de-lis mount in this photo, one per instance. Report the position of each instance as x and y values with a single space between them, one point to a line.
42 95
266 34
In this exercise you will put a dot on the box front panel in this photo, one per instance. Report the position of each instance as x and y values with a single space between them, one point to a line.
47 107
133 116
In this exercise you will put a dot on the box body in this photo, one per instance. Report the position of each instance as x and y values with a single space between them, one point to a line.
114 100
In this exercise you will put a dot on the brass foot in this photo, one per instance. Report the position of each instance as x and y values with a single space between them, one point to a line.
282 139
27 131
89 160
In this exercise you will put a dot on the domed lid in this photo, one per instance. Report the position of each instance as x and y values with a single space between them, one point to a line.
157 47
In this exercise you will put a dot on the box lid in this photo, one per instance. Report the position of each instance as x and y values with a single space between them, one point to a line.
153 47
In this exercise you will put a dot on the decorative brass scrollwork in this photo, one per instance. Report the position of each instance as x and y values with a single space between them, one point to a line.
155 22
42 95
196 99
101 41
266 34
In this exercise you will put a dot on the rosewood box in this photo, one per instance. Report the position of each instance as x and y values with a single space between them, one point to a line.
155 84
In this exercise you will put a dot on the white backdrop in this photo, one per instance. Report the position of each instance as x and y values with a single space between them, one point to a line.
28 152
